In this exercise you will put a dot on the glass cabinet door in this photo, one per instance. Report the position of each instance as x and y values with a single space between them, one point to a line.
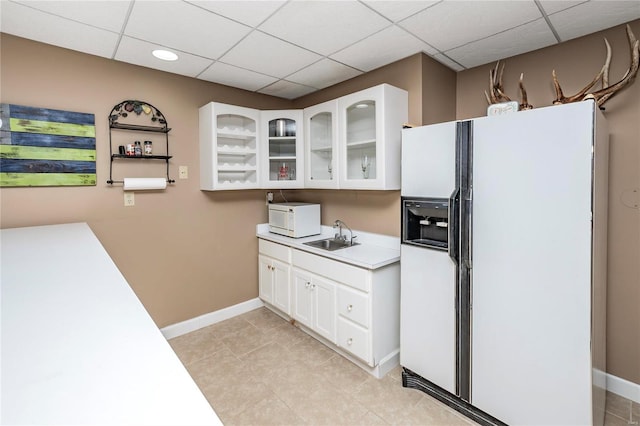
321 155
361 140
283 148
370 133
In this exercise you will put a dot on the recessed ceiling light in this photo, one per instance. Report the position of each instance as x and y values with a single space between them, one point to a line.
165 55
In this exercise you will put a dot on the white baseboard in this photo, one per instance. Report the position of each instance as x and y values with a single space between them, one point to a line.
184 327
623 388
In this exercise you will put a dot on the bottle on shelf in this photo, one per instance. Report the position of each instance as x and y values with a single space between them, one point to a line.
284 172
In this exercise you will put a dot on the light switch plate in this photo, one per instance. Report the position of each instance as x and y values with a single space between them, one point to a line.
129 199
183 172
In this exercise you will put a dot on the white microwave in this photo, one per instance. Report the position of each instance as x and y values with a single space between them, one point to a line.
294 219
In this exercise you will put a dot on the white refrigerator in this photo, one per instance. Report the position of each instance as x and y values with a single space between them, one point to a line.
503 265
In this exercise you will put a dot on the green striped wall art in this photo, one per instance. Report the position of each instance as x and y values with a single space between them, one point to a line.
46 147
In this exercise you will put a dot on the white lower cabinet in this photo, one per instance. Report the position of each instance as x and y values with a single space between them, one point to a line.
314 303
354 310
366 307
274 274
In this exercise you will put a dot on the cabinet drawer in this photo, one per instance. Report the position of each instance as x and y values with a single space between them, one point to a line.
354 339
334 270
354 305
274 250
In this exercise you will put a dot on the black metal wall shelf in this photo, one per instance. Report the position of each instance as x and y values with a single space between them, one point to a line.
118 121
141 157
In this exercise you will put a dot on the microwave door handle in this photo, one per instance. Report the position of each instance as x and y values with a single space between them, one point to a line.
454 226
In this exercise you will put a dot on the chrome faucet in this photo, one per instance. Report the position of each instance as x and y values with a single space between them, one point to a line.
339 236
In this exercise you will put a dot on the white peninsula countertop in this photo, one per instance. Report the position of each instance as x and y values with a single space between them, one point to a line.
373 251
77 346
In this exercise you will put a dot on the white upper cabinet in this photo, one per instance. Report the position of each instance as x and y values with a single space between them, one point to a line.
229 147
321 145
352 142
370 128
282 158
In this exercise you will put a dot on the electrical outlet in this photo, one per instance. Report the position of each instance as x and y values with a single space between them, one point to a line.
269 198
183 172
129 199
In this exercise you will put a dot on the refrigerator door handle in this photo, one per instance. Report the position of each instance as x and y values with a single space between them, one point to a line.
469 213
454 226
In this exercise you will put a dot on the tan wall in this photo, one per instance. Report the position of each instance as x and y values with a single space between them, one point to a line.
576 63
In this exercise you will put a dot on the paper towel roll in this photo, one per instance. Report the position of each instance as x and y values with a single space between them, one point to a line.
141 184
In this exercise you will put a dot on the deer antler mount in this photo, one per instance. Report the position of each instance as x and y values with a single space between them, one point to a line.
607 91
497 91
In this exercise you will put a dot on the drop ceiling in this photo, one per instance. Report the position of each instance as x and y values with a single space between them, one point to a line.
292 48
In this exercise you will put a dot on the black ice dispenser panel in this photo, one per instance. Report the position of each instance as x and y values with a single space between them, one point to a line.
425 222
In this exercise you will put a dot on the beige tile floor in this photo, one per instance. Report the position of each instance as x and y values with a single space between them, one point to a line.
257 369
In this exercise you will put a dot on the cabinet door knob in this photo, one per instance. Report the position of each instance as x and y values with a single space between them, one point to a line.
349 341
307 284
349 308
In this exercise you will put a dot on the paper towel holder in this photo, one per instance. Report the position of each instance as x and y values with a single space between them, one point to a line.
144 184
111 182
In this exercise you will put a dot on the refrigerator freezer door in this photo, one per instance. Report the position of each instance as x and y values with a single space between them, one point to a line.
428 161
532 187
427 317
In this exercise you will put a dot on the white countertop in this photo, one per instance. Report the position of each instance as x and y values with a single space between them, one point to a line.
373 252
78 347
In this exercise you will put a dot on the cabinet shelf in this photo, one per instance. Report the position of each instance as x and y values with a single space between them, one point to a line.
328 148
239 168
366 143
133 112
236 135
282 138
236 152
282 157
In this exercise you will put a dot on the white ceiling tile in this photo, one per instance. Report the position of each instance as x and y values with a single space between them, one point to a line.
315 43
324 26
443 59
524 38
451 24
389 45
138 52
249 12
323 74
397 10
553 6
287 90
108 15
185 27
269 55
35 25
578 21
236 77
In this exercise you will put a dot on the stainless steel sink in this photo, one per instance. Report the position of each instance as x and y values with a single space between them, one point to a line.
330 244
